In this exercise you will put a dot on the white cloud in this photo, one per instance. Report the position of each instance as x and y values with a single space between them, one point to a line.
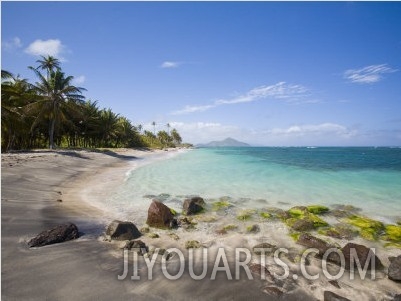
48 47
79 80
12 44
368 75
296 135
203 132
314 130
169 64
282 91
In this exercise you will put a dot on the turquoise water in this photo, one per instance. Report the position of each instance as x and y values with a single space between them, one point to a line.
369 178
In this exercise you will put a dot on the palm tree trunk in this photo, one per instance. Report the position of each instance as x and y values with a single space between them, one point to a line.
51 133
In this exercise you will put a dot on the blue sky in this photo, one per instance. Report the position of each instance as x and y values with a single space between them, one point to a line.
267 73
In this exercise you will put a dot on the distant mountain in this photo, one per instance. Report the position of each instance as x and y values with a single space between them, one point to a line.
224 143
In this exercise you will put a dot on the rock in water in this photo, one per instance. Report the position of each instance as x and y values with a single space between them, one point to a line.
394 270
55 235
311 241
159 215
330 296
193 205
119 230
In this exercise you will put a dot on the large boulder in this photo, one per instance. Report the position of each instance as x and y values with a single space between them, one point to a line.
55 235
160 216
193 205
119 230
394 270
363 254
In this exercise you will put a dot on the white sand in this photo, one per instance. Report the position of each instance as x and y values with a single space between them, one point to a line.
87 268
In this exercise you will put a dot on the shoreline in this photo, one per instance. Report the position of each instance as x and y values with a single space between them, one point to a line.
34 182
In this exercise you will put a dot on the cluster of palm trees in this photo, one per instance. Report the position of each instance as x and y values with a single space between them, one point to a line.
53 112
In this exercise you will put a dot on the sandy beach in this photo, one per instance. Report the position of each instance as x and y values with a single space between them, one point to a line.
41 189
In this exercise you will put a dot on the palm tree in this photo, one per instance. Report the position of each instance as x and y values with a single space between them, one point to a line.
15 94
48 63
176 137
57 96
154 128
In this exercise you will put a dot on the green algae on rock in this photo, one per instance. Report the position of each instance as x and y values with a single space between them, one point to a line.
220 205
230 227
340 231
392 233
369 229
153 235
192 244
245 215
318 209
265 215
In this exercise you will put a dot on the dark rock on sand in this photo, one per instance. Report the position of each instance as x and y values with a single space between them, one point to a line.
137 246
259 269
330 296
193 205
334 283
55 235
397 297
394 270
159 215
363 253
310 241
119 230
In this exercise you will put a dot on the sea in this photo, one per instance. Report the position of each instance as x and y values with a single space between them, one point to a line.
368 178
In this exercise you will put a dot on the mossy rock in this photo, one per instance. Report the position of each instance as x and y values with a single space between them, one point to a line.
174 236
265 215
153 235
340 231
206 218
305 222
230 227
392 233
220 205
298 211
192 244
318 209
369 228
392 245
253 229
295 235
245 215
